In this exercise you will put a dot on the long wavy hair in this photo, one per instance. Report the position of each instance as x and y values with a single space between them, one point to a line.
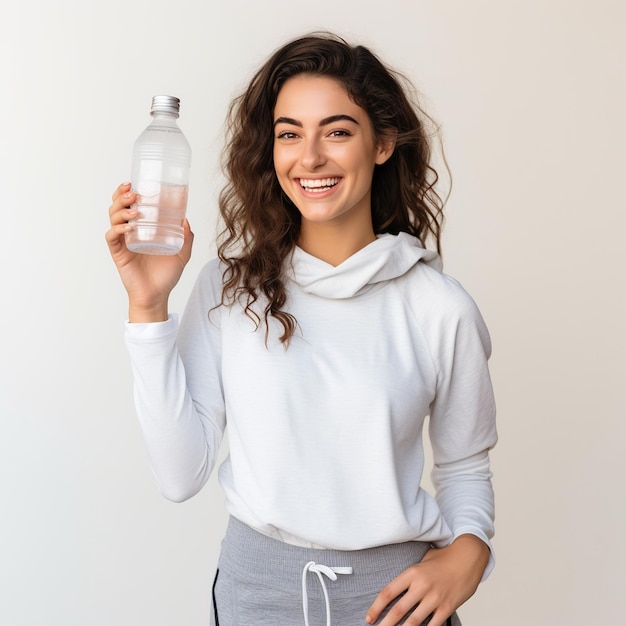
261 224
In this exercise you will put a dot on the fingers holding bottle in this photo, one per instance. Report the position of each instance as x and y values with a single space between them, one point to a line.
148 278
121 212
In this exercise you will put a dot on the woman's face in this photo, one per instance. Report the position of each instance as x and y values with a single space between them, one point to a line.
325 151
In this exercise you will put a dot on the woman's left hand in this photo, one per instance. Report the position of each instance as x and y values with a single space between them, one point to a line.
438 585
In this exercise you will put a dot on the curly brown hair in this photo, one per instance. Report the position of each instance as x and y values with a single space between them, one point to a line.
261 224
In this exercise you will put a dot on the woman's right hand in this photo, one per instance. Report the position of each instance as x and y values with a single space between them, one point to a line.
147 278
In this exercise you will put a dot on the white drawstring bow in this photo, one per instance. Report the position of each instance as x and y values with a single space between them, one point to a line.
330 572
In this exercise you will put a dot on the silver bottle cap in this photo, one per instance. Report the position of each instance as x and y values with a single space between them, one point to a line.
165 104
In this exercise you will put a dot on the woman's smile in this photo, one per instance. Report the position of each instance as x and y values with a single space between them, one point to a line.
317 185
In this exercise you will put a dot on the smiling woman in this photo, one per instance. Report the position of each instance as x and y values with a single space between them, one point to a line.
324 160
327 210
262 222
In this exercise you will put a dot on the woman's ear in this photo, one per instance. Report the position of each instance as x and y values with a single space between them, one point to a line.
386 146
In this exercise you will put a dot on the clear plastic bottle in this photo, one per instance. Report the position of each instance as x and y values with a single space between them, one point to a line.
160 176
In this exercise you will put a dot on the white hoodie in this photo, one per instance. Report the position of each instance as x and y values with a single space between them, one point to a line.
326 436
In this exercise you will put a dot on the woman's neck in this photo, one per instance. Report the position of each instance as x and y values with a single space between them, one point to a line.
332 244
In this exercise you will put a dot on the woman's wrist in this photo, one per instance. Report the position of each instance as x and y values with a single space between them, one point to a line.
474 548
139 314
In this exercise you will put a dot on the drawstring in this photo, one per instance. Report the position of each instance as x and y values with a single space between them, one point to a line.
331 572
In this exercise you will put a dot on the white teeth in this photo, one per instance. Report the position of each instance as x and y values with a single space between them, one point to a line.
318 184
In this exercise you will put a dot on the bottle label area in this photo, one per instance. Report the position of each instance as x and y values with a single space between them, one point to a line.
159 227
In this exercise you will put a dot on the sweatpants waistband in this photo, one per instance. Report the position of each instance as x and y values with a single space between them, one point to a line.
248 554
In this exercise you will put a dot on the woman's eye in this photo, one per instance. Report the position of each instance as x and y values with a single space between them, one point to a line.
339 133
286 135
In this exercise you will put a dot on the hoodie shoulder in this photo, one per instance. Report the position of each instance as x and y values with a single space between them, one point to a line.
440 303
429 284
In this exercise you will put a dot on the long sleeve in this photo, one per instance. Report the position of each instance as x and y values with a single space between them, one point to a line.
462 424
178 393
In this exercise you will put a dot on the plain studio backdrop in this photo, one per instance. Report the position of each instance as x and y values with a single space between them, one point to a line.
530 97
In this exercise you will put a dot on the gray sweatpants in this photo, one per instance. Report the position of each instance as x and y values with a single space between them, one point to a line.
265 582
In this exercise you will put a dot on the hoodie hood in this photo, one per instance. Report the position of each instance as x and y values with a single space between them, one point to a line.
389 257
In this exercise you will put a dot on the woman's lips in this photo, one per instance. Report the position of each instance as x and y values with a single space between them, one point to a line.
318 185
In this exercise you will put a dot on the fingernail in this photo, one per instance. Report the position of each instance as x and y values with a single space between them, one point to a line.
128 194
125 184
368 619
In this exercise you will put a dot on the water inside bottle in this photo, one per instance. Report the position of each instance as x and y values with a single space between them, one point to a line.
158 228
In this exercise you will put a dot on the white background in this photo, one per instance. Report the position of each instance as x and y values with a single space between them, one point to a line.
531 98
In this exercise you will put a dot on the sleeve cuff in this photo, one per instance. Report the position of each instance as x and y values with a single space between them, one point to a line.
151 331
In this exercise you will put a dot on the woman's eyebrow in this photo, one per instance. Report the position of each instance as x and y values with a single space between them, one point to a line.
327 120
337 118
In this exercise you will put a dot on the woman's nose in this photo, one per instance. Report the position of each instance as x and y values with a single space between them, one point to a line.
312 155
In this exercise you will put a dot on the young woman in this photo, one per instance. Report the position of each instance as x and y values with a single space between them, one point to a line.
323 336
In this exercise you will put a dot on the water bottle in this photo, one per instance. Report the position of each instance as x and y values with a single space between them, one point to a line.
160 177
